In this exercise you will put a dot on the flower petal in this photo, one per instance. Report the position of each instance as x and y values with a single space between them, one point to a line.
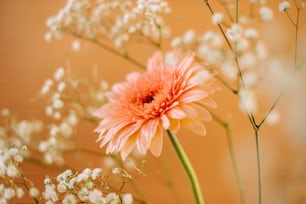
165 121
157 142
193 95
196 126
147 132
176 113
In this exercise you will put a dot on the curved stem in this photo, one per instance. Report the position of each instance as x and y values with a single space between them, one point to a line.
187 167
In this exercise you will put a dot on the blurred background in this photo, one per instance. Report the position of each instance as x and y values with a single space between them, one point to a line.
27 60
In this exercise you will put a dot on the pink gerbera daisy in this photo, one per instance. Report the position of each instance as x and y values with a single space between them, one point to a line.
165 97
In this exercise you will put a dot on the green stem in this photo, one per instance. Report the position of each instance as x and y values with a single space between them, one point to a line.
188 168
258 166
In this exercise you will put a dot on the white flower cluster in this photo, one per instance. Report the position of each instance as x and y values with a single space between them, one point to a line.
10 172
87 186
247 48
67 108
114 19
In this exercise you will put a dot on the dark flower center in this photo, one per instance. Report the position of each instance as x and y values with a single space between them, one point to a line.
148 99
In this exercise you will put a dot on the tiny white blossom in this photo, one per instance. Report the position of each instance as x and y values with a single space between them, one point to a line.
58 104
251 33
266 13
8 193
59 74
96 173
116 170
70 199
234 32
126 198
57 115
49 110
72 118
34 192
83 194
283 6
12 171
189 37
65 129
112 198
61 188
176 42
19 192
95 196
61 86
217 18
76 45
273 117
247 101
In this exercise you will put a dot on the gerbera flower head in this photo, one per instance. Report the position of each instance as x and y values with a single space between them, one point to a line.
171 94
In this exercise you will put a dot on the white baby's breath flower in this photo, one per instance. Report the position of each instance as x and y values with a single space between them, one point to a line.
189 37
112 198
273 117
70 199
59 74
65 129
126 198
95 196
247 101
58 104
217 18
34 192
8 193
72 118
96 173
83 194
76 45
116 170
266 13
57 115
251 33
176 42
283 6
12 171
61 188
234 32
49 110
19 192
61 86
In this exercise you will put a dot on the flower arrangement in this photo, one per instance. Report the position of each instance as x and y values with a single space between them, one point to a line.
188 81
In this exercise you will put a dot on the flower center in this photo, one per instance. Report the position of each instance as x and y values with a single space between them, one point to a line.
148 99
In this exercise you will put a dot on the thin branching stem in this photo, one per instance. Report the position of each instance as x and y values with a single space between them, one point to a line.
258 165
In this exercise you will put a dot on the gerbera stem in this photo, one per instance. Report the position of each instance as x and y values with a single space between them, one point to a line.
188 168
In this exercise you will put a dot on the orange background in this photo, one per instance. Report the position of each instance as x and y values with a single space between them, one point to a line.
26 61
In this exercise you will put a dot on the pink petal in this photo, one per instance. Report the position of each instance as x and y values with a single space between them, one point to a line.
157 142
209 102
192 95
204 115
196 126
146 134
190 111
176 113
128 147
133 76
165 122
